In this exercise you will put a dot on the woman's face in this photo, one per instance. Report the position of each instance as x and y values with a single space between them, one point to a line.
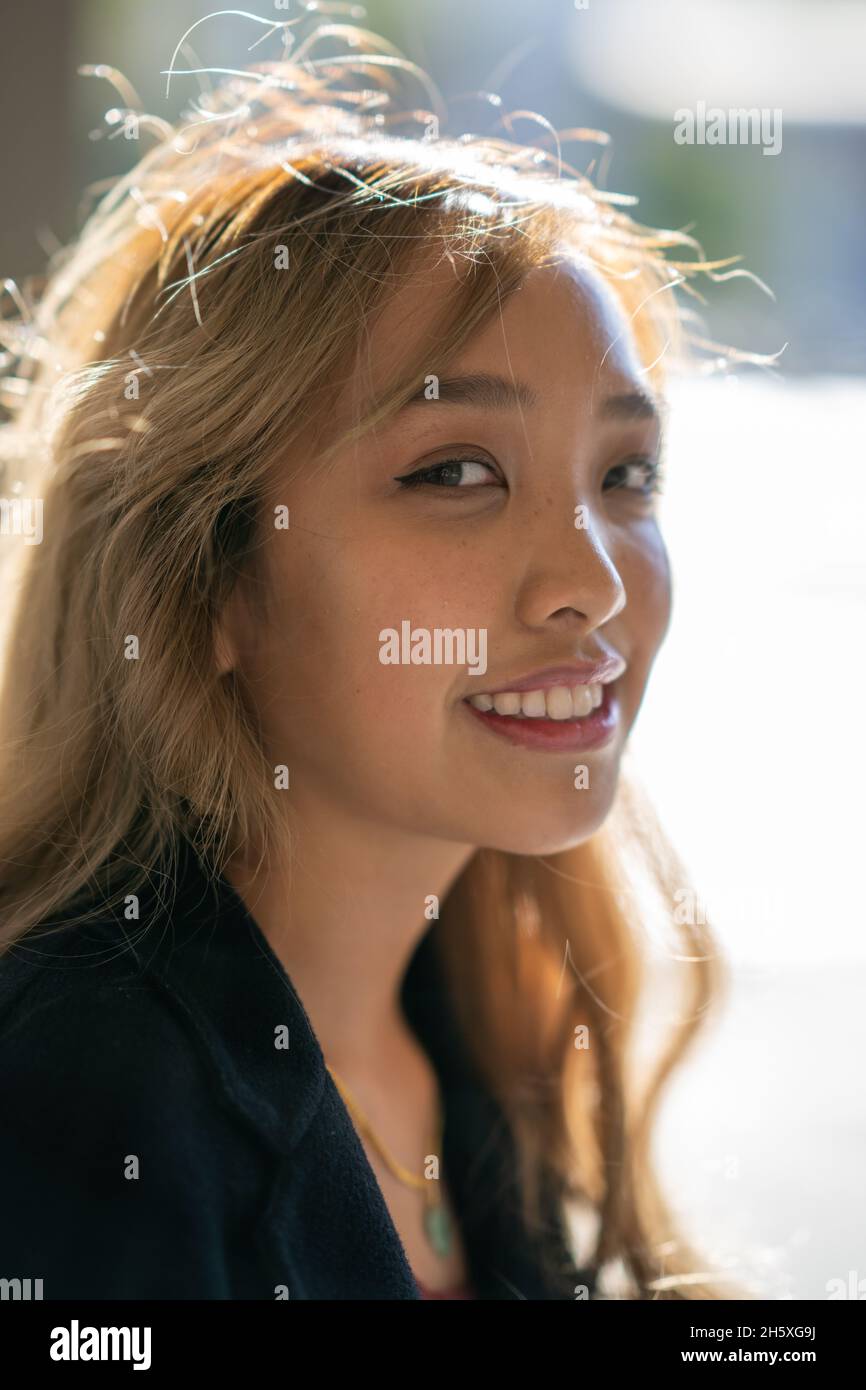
538 543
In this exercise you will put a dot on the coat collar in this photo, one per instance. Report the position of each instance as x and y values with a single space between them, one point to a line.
212 957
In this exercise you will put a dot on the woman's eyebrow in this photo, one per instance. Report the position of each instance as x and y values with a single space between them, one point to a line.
483 389
631 405
491 392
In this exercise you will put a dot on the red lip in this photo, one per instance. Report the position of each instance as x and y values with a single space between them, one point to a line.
610 668
556 735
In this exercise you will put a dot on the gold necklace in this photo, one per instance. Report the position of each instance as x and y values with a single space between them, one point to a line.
437 1223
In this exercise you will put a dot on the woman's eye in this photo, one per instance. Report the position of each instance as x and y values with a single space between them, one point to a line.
453 473
641 475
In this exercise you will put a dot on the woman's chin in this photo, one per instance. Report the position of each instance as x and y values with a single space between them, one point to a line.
543 839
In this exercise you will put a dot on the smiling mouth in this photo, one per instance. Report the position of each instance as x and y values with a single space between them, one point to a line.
558 702
555 719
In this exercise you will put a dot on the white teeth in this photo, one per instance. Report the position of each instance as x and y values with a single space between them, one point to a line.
582 697
558 702
533 704
509 703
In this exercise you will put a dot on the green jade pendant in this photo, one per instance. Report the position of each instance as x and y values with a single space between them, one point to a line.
437 1225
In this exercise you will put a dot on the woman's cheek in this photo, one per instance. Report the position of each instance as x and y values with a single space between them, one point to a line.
647 578
639 629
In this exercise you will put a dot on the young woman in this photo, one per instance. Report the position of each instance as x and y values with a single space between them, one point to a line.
321 946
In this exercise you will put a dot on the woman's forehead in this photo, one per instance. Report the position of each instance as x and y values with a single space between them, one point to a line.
565 304
563 317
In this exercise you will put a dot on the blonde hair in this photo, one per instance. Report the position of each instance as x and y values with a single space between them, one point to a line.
194 331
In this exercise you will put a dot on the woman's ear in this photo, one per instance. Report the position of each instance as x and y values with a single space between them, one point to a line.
225 642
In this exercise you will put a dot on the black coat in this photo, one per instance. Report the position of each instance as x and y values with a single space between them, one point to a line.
155 1040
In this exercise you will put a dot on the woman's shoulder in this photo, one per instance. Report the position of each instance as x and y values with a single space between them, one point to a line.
179 1011
114 1108
81 1025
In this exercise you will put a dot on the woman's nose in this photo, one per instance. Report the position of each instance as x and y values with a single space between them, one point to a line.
572 579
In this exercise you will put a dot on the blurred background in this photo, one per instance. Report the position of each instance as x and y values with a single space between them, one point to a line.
751 737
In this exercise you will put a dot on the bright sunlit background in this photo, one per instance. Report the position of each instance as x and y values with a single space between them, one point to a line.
751 740
751 736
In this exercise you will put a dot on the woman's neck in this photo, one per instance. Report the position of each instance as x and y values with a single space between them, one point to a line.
344 919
